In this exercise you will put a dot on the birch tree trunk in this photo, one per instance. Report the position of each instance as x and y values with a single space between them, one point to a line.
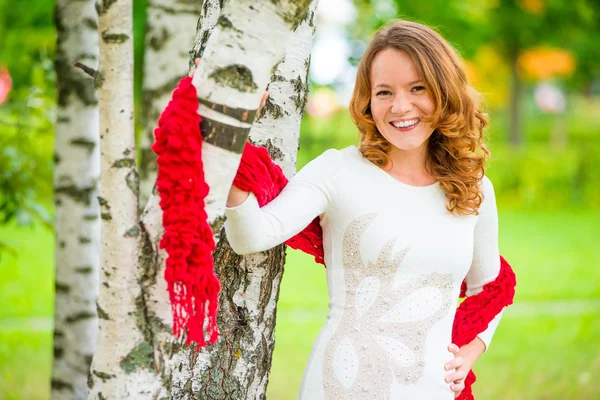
237 366
77 224
119 342
169 34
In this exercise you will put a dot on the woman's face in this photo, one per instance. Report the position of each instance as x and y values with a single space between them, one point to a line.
399 100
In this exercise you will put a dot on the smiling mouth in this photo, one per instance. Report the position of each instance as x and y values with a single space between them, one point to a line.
405 125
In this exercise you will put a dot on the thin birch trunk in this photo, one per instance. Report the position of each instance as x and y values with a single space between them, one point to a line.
169 33
77 223
237 366
120 343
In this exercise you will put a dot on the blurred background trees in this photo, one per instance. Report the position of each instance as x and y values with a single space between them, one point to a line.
536 62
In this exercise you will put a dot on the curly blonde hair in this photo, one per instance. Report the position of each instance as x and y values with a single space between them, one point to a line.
456 154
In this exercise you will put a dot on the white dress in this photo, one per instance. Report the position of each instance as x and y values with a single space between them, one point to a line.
395 261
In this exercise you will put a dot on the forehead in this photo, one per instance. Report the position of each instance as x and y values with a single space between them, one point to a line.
392 66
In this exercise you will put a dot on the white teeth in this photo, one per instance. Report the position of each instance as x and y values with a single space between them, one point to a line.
405 124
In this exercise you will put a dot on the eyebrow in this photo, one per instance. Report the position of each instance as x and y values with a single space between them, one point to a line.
384 85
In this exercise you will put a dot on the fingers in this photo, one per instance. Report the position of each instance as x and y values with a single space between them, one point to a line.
457 388
456 377
456 363
263 101
452 348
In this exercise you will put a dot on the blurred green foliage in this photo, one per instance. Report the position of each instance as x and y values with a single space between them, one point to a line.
27 119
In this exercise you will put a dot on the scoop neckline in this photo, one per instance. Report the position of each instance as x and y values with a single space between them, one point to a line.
394 180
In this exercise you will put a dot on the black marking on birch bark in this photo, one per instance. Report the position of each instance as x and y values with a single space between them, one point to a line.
274 110
240 114
274 151
57 201
61 385
101 313
87 358
295 15
61 288
58 334
67 81
105 284
101 396
84 270
83 142
63 120
81 316
133 182
84 240
62 244
90 217
58 352
103 5
56 159
103 375
224 136
300 93
86 56
225 23
91 72
157 40
134 231
104 209
99 81
236 76
123 163
141 356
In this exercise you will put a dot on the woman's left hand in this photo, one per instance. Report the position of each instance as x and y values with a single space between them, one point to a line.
463 361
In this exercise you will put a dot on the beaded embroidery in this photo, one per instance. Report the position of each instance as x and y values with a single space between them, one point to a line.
381 337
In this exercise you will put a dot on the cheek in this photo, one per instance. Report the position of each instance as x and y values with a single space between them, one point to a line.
378 112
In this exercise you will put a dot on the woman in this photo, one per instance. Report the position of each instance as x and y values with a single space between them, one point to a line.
406 217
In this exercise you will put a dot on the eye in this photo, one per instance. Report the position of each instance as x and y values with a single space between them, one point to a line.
383 93
417 89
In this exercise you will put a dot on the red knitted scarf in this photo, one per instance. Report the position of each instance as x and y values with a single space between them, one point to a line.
188 239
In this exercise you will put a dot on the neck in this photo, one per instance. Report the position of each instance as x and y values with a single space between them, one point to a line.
408 162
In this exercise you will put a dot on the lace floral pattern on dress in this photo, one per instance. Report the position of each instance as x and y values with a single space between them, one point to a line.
381 337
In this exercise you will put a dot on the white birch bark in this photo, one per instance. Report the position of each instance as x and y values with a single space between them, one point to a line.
120 344
77 223
237 366
169 34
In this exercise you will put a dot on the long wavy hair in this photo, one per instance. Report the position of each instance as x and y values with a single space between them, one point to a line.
456 153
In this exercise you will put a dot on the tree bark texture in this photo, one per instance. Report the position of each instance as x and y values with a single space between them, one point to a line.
238 365
169 33
120 342
77 215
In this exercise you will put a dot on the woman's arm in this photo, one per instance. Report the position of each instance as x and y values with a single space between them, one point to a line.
251 229
485 268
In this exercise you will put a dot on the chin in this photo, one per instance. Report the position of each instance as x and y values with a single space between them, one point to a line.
407 145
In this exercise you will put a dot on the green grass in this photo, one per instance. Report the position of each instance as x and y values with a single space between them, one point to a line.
532 357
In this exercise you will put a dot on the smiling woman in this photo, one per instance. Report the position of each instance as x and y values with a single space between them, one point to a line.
406 218
418 116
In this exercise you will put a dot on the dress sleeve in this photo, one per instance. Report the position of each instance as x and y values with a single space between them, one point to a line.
250 228
485 266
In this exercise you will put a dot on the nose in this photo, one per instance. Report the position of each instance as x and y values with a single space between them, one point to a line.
402 104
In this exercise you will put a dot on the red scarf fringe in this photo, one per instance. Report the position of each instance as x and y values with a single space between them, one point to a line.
188 239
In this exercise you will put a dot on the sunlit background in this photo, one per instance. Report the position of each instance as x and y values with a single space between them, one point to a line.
537 63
